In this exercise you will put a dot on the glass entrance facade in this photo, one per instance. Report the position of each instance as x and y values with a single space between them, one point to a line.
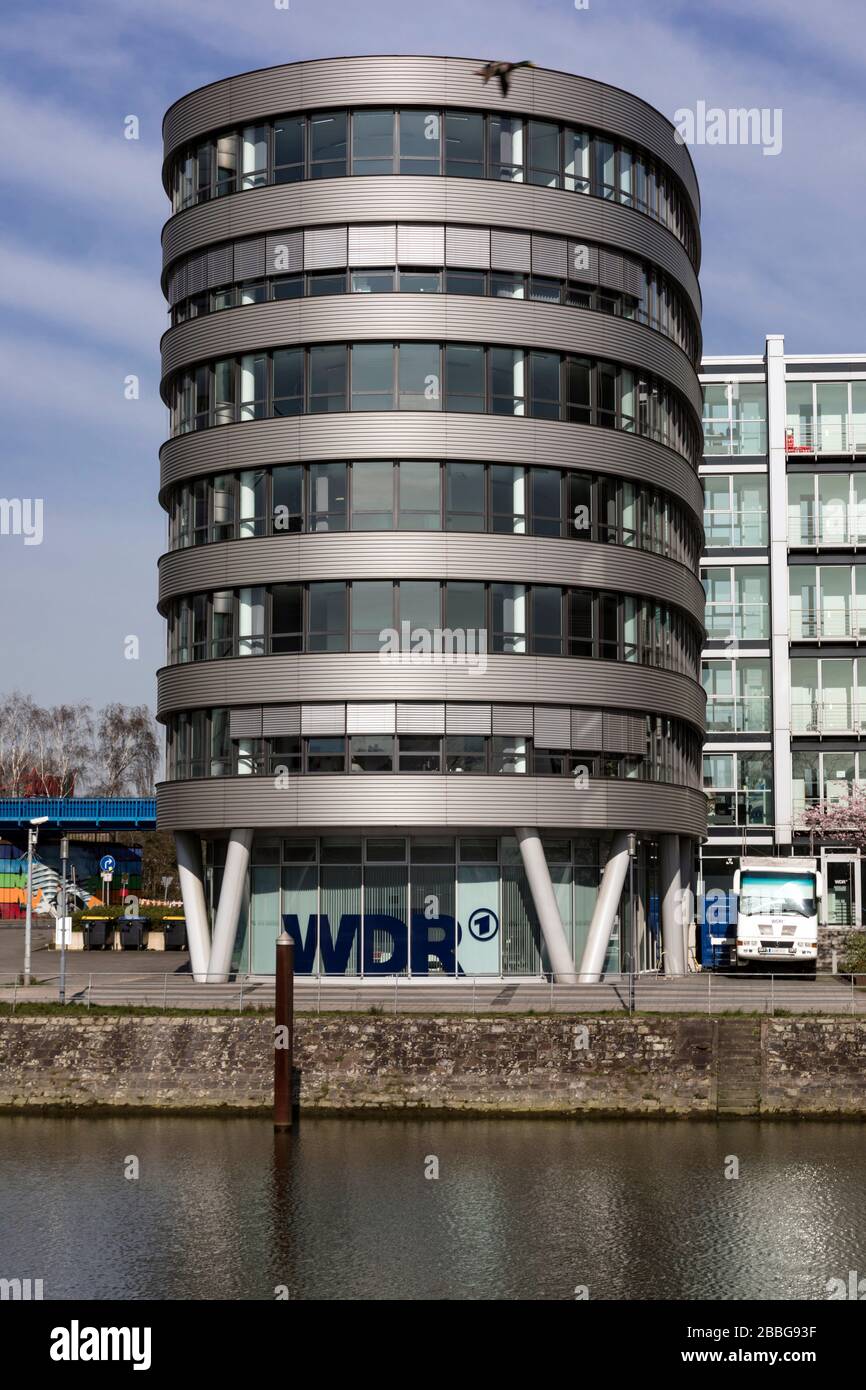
432 905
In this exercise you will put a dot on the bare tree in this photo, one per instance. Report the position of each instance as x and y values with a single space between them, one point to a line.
126 752
64 744
19 717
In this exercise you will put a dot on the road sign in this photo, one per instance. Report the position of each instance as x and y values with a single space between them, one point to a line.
107 863
107 875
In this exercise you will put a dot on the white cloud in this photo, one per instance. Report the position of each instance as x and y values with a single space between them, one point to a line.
70 159
41 378
114 305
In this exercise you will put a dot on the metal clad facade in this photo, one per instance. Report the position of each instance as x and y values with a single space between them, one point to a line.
410 434
521 208
561 703
358 318
415 81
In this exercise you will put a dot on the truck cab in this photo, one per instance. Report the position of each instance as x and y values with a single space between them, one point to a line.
777 912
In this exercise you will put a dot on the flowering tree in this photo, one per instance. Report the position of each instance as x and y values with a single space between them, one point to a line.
842 821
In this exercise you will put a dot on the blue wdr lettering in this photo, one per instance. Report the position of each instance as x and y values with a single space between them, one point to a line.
382 932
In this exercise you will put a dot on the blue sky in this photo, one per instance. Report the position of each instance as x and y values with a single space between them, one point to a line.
83 208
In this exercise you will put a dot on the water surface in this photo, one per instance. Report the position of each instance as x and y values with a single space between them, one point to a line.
520 1209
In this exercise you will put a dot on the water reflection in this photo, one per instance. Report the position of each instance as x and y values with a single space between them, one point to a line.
342 1208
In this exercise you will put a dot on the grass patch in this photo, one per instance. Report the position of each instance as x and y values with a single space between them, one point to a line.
77 1010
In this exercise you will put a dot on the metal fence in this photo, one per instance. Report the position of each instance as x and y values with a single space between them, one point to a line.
701 993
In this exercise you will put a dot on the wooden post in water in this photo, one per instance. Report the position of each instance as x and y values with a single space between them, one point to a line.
284 1032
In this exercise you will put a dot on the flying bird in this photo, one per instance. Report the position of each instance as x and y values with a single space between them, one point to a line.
503 71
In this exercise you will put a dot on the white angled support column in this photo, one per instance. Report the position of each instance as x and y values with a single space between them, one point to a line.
687 892
231 900
673 934
604 915
191 877
544 898
687 878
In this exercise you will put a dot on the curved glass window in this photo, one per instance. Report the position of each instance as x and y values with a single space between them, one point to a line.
514 381
428 622
200 744
653 299
429 496
426 495
461 144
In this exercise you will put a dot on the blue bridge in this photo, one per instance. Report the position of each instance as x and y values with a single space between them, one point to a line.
80 813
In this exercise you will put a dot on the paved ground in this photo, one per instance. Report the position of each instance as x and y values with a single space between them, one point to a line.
163 979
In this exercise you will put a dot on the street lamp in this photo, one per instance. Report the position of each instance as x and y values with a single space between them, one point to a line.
64 856
632 924
32 837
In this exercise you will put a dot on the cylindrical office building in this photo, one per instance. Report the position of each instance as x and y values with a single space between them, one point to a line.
432 695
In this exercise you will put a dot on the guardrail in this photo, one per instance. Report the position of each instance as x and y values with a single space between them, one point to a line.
843 436
78 810
828 717
826 531
747 622
827 624
731 527
740 714
706 992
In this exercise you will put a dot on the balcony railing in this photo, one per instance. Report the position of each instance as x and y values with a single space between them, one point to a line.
828 717
842 436
849 529
828 624
732 437
739 808
734 527
738 714
745 622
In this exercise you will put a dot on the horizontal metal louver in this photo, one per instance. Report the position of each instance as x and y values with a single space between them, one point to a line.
284 253
510 251
632 277
375 245
637 740
281 720
177 285
610 270
245 723
552 727
586 729
221 266
621 733
420 245
549 256
420 719
467 246
325 247
370 719
196 274
583 262
467 719
512 719
250 258
323 719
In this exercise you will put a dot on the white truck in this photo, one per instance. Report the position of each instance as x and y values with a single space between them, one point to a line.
777 912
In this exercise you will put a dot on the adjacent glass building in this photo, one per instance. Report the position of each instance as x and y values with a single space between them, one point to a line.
784 473
435 521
